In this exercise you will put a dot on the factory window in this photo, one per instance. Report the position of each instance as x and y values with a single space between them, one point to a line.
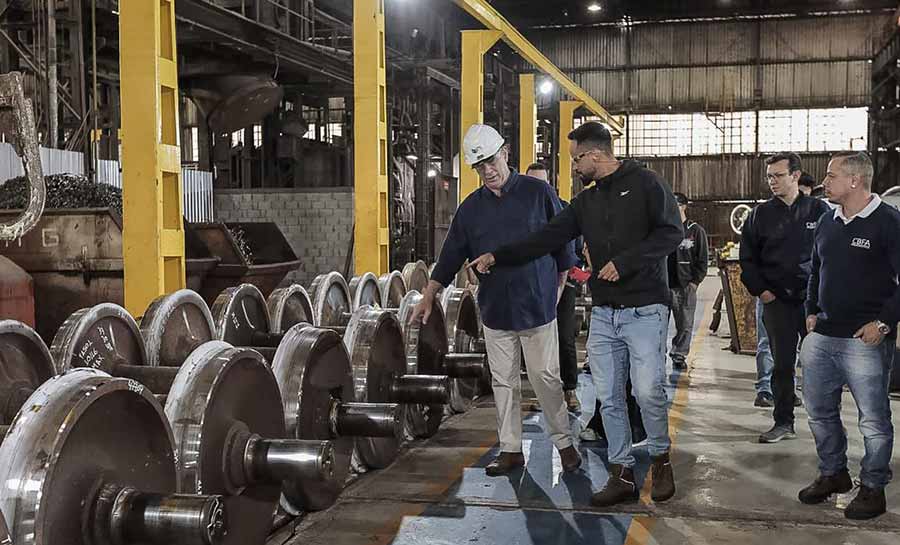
716 133
195 144
257 136
237 138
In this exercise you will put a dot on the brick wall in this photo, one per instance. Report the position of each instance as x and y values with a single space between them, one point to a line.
317 222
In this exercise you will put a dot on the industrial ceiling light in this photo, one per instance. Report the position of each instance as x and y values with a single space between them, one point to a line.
432 173
546 87
594 8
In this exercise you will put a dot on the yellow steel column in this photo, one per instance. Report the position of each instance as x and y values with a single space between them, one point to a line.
370 144
475 43
527 121
153 233
566 122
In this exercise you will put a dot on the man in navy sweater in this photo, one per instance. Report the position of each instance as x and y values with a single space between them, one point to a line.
852 307
518 305
776 244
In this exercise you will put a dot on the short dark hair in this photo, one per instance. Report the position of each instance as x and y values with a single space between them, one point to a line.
792 158
681 198
536 166
594 134
807 180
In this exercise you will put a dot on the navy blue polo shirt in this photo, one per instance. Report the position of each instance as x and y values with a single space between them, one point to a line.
510 298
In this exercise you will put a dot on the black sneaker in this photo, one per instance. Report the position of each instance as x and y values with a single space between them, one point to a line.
825 486
777 433
679 364
868 504
586 368
619 488
764 399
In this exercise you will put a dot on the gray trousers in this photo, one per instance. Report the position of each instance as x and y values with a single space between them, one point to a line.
541 348
684 304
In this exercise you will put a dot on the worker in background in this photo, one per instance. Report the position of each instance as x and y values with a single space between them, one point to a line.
806 183
565 314
630 222
776 249
764 362
687 268
518 305
852 308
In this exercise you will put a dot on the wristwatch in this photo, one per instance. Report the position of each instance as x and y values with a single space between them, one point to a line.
883 328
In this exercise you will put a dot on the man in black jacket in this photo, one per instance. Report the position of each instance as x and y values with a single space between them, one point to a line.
687 268
776 255
630 222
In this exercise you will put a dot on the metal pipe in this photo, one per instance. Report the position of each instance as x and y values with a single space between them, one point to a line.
465 365
158 379
424 389
52 95
366 420
123 515
294 460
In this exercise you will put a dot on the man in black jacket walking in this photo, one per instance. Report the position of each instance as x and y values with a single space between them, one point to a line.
687 268
776 257
630 222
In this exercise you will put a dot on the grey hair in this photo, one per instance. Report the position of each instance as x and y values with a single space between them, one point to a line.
857 163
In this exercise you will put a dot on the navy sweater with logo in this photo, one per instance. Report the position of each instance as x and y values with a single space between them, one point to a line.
776 247
854 272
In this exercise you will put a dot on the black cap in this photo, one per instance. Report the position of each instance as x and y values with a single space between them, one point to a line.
681 198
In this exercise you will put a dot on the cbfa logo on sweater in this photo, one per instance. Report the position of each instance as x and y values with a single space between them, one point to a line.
860 243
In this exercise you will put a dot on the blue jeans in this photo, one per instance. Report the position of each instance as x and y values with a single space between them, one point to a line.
625 343
828 364
765 365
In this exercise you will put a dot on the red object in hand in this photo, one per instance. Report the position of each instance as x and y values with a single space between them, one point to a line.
579 275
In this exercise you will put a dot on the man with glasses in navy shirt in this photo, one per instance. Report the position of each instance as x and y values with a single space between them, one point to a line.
776 249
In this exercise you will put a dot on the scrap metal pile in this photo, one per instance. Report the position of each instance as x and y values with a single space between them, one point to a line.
63 191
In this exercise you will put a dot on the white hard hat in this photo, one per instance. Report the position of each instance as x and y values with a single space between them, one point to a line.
481 142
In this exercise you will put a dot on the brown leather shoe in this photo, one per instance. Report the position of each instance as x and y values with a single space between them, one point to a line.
504 463
570 459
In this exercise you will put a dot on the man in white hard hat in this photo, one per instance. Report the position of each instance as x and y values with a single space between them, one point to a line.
518 304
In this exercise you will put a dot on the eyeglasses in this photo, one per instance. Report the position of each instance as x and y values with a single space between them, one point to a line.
775 175
479 167
580 155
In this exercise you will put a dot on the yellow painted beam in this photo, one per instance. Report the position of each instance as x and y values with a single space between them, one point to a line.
153 230
527 121
475 43
370 151
493 20
566 124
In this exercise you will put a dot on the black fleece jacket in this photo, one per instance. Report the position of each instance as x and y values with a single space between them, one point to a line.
630 218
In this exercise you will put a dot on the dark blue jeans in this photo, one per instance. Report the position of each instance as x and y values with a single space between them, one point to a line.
828 364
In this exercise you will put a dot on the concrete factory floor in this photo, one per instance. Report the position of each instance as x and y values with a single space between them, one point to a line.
730 488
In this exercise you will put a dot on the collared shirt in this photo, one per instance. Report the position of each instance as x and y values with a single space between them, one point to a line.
854 270
864 213
510 298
